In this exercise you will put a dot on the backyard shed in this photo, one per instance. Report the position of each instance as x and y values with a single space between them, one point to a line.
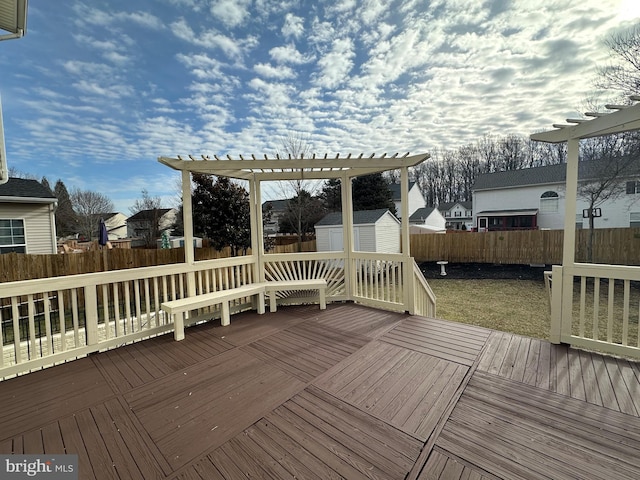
373 231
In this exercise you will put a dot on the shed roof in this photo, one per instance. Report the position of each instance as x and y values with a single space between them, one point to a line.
25 188
360 217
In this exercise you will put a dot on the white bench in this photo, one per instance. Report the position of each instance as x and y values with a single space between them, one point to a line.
178 308
271 289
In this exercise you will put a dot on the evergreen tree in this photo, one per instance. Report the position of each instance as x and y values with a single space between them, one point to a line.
45 183
371 192
221 212
331 195
66 222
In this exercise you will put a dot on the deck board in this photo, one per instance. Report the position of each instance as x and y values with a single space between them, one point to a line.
347 392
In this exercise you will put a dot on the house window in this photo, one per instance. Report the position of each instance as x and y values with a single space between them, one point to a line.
634 219
447 214
633 187
549 202
12 238
457 214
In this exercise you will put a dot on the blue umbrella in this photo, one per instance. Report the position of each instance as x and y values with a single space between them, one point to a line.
103 237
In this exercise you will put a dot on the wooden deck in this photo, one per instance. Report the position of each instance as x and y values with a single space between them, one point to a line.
349 392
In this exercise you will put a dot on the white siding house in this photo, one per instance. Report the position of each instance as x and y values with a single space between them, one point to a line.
458 215
27 217
535 198
374 231
416 200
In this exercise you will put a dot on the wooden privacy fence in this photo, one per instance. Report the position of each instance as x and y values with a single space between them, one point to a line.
615 246
18 266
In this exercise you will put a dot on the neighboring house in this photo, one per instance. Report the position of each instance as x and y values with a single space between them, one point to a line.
416 200
373 231
458 215
116 224
278 209
534 198
141 224
427 220
27 217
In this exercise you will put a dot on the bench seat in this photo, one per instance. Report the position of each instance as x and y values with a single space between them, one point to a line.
177 308
272 287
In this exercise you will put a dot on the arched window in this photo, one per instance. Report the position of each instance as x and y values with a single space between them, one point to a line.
549 202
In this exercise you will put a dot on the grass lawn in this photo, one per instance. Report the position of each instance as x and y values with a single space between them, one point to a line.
516 306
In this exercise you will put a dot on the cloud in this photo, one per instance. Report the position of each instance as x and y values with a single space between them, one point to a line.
231 12
87 15
111 91
289 54
269 71
335 65
209 39
293 26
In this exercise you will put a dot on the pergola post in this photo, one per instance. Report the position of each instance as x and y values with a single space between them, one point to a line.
406 241
257 229
187 224
347 235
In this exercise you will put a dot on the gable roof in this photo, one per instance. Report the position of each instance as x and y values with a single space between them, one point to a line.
421 214
544 175
445 206
360 217
148 215
276 205
396 191
27 189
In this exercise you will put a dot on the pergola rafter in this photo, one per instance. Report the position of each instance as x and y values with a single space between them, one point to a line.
255 170
278 168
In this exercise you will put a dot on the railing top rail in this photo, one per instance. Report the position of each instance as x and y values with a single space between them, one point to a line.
621 272
25 287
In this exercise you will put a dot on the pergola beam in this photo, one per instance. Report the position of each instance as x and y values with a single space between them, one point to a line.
624 119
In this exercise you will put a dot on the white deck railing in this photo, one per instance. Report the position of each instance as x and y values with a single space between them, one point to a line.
596 307
53 320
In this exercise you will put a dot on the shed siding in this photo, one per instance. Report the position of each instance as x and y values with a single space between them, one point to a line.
367 238
323 239
387 235
37 221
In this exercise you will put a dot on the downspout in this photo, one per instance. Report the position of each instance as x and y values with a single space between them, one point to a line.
52 218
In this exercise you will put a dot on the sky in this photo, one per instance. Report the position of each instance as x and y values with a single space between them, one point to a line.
96 91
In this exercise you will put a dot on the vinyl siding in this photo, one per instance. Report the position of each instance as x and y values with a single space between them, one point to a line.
37 221
387 235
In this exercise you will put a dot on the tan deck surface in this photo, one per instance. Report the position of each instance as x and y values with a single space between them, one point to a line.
349 392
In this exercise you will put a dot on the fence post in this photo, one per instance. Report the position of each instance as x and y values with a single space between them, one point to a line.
555 333
91 314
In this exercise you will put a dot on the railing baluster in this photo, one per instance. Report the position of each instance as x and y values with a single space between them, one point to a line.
625 313
610 311
15 313
32 327
596 308
583 301
105 310
116 308
75 316
62 320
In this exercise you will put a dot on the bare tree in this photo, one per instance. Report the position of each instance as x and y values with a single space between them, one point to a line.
149 222
622 73
89 206
303 193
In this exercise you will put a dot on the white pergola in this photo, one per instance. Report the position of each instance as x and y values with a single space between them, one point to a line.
622 118
256 170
